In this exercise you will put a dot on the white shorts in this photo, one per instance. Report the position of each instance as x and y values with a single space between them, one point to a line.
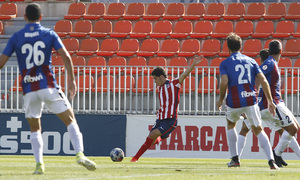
252 113
54 99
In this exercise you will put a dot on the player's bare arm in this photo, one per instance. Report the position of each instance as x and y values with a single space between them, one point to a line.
223 88
196 61
3 60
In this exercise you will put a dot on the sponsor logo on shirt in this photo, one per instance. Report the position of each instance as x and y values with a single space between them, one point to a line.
245 94
31 35
30 79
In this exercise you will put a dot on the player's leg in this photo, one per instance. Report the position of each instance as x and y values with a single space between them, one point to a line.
242 137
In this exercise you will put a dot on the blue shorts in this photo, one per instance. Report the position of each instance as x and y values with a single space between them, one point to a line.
165 126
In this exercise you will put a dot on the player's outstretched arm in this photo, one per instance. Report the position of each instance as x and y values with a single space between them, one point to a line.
196 61
3 60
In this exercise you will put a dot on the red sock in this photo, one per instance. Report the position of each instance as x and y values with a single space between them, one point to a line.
158 140
144 148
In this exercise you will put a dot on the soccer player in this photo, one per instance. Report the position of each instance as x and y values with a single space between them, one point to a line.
284 122
238 73
33 45
169 94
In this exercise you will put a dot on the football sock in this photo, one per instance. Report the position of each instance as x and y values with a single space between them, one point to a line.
265 144
241 144
75 137
37 146
158 139
232 141
144 148
295 146
283 143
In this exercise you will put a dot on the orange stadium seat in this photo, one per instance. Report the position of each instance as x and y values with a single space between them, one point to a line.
169 47
264 29
235 11
154 11
255 11
202 29
293 11
174 11
142 84
122 29
116 64
177 65
214 11
149 47
285 62
95 11
141 29
203 63
122 87
135 11
57 61
102 28
225 51
108 47
275 11
297 33
86 83
195 11
291 85
296 71
8 11
222 29
188 85
76 11
17 84
82 28
292 48
138 64
102 84
63 28
211 47
93 62
154 62
284 29
252 47
129 47
115 11
244 28
161 29
189 47
215 62
78 63
61 81
88 47
207 85
72 45
182 29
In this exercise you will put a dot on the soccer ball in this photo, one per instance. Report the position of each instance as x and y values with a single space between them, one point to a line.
117 155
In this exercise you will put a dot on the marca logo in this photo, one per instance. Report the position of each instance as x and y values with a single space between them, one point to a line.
248 94
29 79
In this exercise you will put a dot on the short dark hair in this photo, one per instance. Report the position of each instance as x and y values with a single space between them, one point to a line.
275 47
158 71
234 42
33 12
264 54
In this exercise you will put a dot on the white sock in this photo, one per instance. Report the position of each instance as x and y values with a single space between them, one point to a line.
37 146
265 144
283 143
232 141
241 142
76 137
295 146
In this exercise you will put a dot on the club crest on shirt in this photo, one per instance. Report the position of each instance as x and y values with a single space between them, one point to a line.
265 67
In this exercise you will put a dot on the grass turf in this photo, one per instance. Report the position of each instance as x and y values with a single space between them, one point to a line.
65 168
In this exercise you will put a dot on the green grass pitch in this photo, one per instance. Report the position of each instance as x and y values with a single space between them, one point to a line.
65 168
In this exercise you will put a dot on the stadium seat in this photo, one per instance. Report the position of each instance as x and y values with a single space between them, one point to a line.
297 32
116 65
225 51
17 84
154 11
285 62
275 11
86 83
124 84
176 65
264 29
222 29
98 62
102 84
134 11
88 47
200 66
182 29
291 85
174 11
141 29
284 29
235 11
115 11
202 29
82 28
211 47
189 47
78 63
137 64
57 61
149 47
62 81
214 11
95 11
252 47
293 11
8 11
161 29
108 47
63 28
122 28
296 66
129 47
255 11
142 84
194 11
72 45
102 28
207 85
244 29
215 63
76 11
188 85
268 42
292 47
155 62
169 47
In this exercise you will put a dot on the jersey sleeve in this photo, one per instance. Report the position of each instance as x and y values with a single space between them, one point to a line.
268 67
176 82
57 43
9 49
256 67
222 69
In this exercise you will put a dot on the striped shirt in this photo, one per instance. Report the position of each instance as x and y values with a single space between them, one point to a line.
169 95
